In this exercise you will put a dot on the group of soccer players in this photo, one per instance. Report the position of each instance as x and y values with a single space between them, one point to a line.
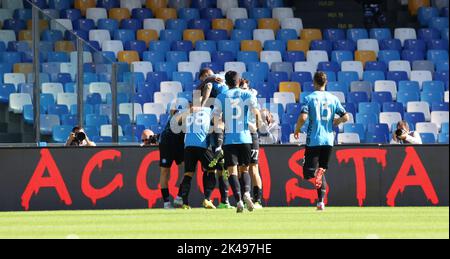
219 130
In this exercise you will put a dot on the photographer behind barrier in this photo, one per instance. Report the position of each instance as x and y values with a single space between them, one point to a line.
270 131
149 138
404 136
79 138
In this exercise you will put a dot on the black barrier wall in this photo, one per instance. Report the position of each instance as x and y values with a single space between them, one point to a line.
127 178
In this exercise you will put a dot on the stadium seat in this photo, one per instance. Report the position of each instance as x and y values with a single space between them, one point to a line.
365 56
292 23
386 86
353 66
380 34
404 34
298 45
119 14
235 14
348 138
311 34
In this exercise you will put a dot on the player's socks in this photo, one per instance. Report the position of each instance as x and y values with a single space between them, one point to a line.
247 182
224 186
236 187
166 195
322 191
185 188
242 183
257 194
209 183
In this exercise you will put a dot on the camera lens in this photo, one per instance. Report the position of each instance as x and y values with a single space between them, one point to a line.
80 136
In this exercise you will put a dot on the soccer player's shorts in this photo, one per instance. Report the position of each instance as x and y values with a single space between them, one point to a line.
316 157
171 150
193 155
255 149
238 155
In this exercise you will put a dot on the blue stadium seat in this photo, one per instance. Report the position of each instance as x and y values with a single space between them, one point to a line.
381 97
357 97
200 24
356 128
253 77
210 13
275 45
348 77
206 45
357 34
260 13
405 97
322 45
184 77
334 34
273 3
439 107
344 45
167 67
372 107
222 57
216 35
366 119
131 24
397 76
387 56
61 133
338 87
428 34
341 56
129 139
413 55
176 56
350 108
443 138
176 24
136 45
170 36
414 117
230 46
5 91
110 25
294 56
413 44
275 78
240 35
425 14
439 23
154 56
293 108
42 4
286 131
59 4
61 57
428 138
214 66
246 24
102 139
409 86
375 138
141 14
301 77
52 36
69 120
249 4
391 44
286 35
373 76
14 25
71 14
433 86
437 55
432 97
104 57
380 130
84 24
437 44
147 120
309 86
47 123
96 120
189 14
124 35
441 76
329 66
380 34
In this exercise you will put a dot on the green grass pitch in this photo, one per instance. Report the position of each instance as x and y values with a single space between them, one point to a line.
425 222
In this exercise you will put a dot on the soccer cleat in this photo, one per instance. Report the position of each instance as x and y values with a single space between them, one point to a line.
240 207
178 203
319 177
186 207
258 206
225 206
207 204
168 206
320 206
249 202
217 157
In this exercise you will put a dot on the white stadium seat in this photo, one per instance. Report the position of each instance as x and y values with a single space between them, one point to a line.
115 46
192 67
7 36
130 4
348 138
164 98
306 67
99 36
351 120
96 14
173 87
237 13
422 107
404 34
284 98
17 101
386 86
12 4
106 130
263 35
400 65
101 88
439 117
368 44
6 14
70 68
200 57
52 88
143 67
270 57
155 108
67 99
14 78
154 24
353 66
236 66
390 118
292 23
339 95
282 13
421 76
226 5
87 57
317 56
427 127
61 25
127 109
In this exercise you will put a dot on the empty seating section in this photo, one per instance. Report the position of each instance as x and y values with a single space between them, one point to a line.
381 75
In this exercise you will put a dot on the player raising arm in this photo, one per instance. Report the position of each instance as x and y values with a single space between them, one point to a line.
320 109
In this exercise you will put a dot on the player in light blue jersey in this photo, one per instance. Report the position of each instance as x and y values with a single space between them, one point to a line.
197 123
234 108
320 110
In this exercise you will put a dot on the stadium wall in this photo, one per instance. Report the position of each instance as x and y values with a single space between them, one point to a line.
126 177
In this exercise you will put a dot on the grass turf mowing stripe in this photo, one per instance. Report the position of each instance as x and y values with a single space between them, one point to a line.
420 222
